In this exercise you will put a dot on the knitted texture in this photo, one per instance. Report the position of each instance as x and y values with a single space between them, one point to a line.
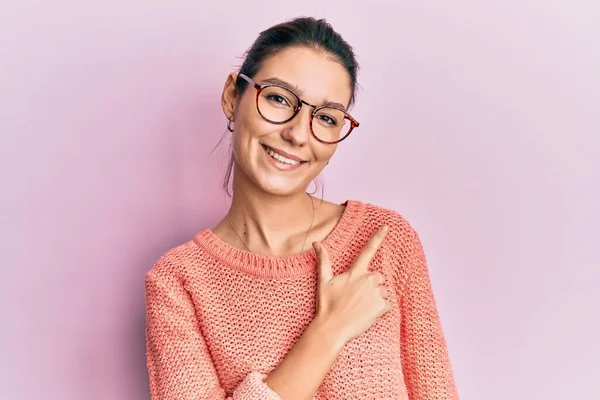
220 318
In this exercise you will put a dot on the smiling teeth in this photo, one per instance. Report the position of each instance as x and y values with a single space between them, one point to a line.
281 158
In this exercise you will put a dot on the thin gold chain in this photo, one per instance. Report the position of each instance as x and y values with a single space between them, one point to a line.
306 237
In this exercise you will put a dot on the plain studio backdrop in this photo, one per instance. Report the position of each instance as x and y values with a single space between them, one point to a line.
479 123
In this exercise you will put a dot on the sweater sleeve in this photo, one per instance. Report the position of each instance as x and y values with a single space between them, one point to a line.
425 362
180 366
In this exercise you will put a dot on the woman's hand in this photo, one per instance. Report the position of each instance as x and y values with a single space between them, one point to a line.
349 303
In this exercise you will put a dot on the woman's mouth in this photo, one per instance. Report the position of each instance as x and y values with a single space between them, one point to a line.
279 160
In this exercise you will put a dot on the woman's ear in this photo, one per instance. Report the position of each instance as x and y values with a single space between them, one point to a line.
229 96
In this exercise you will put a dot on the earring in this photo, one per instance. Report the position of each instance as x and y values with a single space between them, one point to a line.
229 127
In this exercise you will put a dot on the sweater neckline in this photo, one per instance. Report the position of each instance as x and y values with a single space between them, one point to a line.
290 265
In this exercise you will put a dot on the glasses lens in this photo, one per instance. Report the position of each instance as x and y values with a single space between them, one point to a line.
277 104
330 124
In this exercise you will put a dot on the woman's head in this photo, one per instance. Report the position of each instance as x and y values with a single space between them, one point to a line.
308 57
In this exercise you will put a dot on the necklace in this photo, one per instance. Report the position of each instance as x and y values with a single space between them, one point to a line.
306 237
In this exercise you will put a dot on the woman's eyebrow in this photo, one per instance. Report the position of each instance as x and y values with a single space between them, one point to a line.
299 92
335 105
287 85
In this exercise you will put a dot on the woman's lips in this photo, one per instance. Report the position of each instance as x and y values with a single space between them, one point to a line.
278 164
284 154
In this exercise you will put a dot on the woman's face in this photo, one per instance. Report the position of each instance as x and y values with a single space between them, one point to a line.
320 79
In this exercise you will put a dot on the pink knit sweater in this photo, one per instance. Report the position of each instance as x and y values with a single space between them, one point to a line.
219 318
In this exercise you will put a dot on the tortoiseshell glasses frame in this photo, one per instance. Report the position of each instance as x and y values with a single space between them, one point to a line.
261 86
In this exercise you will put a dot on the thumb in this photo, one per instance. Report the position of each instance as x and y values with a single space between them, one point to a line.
325 273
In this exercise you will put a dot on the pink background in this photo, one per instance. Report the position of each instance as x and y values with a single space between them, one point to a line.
479 123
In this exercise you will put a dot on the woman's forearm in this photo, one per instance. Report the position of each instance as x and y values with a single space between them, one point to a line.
300 374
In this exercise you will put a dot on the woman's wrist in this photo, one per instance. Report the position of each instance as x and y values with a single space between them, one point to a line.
327 332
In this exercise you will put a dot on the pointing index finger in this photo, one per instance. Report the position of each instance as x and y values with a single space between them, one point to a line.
361 264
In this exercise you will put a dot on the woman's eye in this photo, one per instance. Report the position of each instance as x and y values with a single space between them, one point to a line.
327 119
278 99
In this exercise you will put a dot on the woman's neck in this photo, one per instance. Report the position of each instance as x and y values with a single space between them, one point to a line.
269 224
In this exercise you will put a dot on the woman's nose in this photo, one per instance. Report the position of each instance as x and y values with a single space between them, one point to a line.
297 131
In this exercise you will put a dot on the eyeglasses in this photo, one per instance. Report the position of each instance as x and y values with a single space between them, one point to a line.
279 105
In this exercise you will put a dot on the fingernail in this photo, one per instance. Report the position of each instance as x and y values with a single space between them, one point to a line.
316 247
385 228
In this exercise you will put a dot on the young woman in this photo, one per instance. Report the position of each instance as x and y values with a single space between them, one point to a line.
249 310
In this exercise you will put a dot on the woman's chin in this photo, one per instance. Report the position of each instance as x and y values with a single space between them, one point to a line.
281 187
